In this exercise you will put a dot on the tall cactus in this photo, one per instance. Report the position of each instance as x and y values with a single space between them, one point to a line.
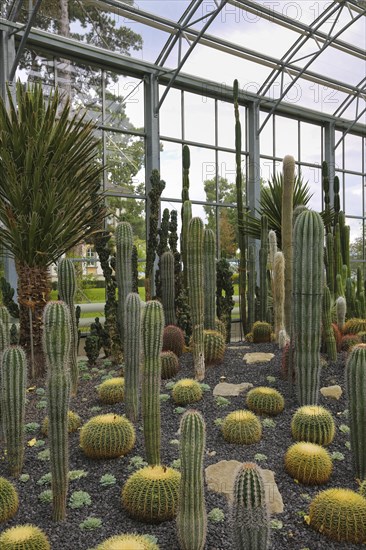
167 287
186 212
279 293
132 347
67 291
209 278
251 285
152 330
325 182
263 259
307 297
56 345
330 342
329 263
13 378
286 232
195 293
250 517
356 393
192 518
124 243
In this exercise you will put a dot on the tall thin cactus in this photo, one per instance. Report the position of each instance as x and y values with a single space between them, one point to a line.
167 287
13 383
56 345
329 339
187 216
263 259
209 278
279 293
307 298
195 293
157 187
192 518
356 393
124 243
132 347
286 232
152 331
251 285
67 291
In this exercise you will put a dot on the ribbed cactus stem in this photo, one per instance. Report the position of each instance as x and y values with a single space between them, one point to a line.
186 218
350 297
209 278
67 291
330 342
192 518
4 315
251 285
13 378
250 518
307 298
56 345
4 336
263 259
356 393
124 243
279 293
167 287
272 243
132 347
337 251
195 293
286 231
330 262
152 331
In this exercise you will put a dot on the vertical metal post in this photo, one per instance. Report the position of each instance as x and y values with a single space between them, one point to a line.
152 146
329 154
253 184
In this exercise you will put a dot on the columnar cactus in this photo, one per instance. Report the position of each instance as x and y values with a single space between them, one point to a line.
4 328
250 517
209 278
152 330
67 291
307 298
279 293
186 219
251 285
341 309
195 290
286 232
56 345
192 518
263 258
356 393
167 287
13 378
132 348
329 339
124 243
329 263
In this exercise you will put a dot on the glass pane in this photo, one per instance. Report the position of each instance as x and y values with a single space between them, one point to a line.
227 177
339 150
353 195
310 143
170 113
312 175
202 167
357 243
129 210
341 189
286 137
199 118
124 163
124 103
266 169
227 232
226 125
171 169
353 152
266 135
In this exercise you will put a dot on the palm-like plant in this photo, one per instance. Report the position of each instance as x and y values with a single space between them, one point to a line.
49 191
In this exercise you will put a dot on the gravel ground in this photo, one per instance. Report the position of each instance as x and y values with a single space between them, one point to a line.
293 534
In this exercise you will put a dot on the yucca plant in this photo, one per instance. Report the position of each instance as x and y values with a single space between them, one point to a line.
49 195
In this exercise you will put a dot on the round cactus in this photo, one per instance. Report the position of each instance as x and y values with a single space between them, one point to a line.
314 424
111 391
186 391
337 335
308 463
214 347
73 423
354 326
362 335
263 400
261 332
9 500
24 537
241 427
169 364
151 494
340 514
173 340
349 341
129 541
221 328
107 436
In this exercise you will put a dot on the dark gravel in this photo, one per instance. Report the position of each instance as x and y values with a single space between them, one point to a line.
294 534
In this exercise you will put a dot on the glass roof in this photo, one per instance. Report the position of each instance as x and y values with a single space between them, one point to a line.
309 53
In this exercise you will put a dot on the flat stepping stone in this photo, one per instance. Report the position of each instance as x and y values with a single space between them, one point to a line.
334 392
258 357
220 479
226 389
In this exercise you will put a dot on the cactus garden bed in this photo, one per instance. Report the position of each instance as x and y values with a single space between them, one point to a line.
94 509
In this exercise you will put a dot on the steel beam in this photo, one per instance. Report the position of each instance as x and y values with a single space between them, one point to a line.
329 155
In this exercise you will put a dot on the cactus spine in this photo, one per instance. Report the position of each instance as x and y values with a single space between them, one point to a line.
195 290
307 297
250 518
132 346
209 270
192 519
56 345
124 243
13 376
167 287
356 393
251 285
152 330
263 258
279 293
186 210
286 232
330 343
67 290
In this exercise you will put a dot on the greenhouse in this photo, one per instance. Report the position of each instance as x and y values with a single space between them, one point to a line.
183 274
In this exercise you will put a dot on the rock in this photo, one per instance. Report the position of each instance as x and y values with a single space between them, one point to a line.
220 479
238 347
224 388
258 357
334 392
